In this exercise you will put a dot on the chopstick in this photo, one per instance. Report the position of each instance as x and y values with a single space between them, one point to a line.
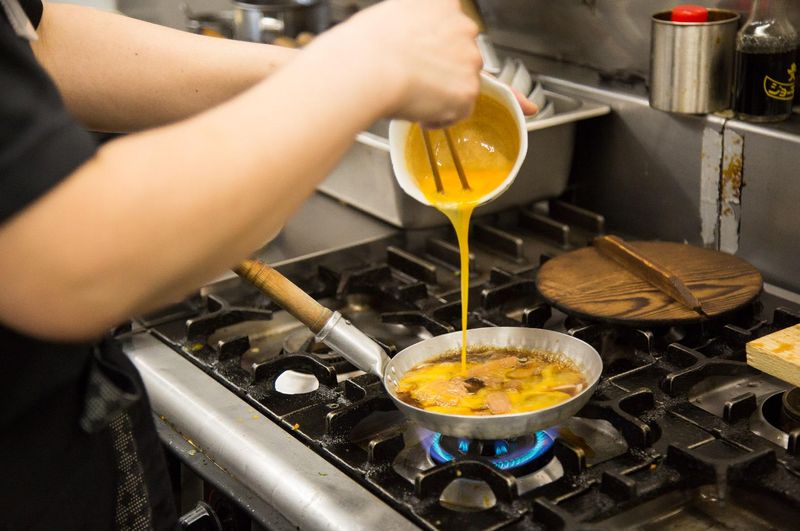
462 176
456 160
426 139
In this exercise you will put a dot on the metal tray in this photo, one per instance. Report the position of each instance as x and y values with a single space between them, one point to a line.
364 178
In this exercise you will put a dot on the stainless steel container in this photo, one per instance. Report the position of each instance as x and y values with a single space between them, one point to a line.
364 178
691 63
215 24
263 20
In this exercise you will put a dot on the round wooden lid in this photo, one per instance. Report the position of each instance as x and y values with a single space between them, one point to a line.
587 284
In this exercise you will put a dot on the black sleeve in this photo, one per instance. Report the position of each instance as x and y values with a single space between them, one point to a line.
40 143
34 10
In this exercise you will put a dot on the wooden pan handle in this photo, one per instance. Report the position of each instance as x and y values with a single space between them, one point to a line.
647 269
280 289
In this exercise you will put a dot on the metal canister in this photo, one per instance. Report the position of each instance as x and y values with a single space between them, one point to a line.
263 20
691 63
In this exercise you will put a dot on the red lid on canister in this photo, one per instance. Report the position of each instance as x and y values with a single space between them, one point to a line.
689 13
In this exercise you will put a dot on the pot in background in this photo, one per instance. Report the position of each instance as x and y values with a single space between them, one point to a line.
264 20
210 24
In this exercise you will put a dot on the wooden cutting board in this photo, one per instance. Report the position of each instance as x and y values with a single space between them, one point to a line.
777 354
587 284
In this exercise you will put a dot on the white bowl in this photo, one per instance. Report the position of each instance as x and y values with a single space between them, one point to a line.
546 112
522 79
537 96
507 72
398 137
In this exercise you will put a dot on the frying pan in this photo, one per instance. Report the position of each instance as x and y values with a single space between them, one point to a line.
335 331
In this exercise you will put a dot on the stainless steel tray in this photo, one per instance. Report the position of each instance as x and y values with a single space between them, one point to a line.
364 178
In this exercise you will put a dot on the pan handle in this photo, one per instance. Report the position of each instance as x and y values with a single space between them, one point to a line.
283 291
354 345
330 327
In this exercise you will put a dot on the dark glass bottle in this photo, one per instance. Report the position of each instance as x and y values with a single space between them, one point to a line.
797 80
766 68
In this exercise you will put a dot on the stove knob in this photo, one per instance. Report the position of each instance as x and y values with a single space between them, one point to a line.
201 518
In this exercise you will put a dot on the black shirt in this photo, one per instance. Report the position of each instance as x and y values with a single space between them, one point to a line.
40 143
54 473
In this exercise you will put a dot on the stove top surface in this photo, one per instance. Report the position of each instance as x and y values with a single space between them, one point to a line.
680 434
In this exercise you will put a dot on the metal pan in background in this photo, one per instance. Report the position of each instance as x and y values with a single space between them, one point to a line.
260 20
336 332
264 20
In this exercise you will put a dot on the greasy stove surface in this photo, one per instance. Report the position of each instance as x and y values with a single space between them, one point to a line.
681 433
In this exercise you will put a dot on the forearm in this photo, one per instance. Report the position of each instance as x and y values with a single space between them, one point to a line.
163 211
120 74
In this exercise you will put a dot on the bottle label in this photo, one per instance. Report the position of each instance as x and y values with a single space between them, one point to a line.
779 90
765 83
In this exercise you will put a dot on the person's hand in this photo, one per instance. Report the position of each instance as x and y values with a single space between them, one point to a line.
427 57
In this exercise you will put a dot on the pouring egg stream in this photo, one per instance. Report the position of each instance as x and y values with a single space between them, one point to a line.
488 144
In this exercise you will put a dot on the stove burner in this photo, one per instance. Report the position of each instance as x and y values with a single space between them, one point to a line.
790 413
504 454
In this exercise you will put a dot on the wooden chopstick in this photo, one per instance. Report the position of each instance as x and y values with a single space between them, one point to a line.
426 139
456 160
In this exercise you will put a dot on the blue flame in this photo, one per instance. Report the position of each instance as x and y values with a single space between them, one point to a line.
500 448
463 445
506 457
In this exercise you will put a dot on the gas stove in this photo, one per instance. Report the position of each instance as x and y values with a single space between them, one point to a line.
680 433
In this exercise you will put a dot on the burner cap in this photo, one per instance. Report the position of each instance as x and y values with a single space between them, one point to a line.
791 404
504 454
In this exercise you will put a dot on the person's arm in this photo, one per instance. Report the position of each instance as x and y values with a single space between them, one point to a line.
156 214
120 74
